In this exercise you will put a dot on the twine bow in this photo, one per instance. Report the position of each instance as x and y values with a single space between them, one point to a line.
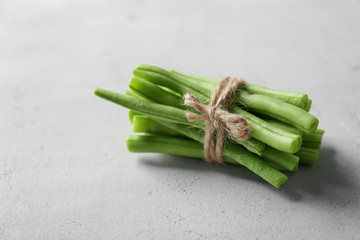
218 119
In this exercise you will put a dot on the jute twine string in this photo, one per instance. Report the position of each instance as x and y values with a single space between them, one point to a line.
218 120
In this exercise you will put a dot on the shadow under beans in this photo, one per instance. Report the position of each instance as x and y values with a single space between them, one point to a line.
332 180
197 165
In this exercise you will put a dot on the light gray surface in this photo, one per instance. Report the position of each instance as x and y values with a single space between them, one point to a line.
65 172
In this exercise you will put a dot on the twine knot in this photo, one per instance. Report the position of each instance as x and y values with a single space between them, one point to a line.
218 120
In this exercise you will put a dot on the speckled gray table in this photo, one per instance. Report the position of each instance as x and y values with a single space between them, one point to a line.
65 172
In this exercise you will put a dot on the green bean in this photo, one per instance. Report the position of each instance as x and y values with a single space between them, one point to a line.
283 126
136 94
206 80
261 130
162 80
132 115
267 105
307 156
297 99
190 148
205 91
285 160
159 111
164 144
166 113
312 137
320 131
308 105
157 94
270 135
276 166
313 140
170 91
312 145
279 110
132 94
143 124
251 144
238 154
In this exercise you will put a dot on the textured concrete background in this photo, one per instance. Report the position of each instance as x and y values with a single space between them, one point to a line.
65 172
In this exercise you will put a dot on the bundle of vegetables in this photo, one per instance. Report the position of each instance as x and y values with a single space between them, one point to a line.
283 133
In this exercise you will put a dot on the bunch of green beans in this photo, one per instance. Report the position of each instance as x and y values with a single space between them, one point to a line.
283 134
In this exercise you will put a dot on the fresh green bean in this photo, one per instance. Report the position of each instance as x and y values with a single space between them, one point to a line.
307 156
251 144
132 94
297 99
158 94
267 105
285 160
175 146
178 146
143 124
164 144
205 91
155 110
320 131
270 135
166 113
308 105
136 94
206 80
312 137
162 80
279 110
170 91
283 126
132 115
261 130
238 154
276 166
313 140
312 145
